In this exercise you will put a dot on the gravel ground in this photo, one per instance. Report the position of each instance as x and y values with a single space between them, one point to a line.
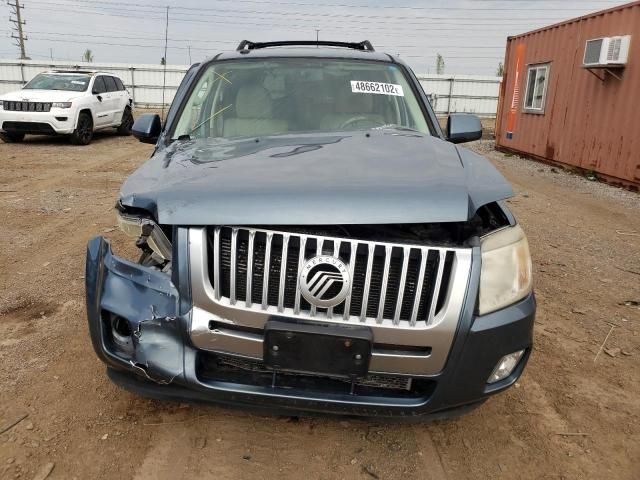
575 413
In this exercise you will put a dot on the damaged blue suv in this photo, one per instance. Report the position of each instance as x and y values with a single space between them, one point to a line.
311 240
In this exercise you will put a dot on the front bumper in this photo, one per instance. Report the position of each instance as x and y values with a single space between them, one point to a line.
57 121
161 361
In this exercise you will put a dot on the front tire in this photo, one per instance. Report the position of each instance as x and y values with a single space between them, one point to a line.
11 137
83 134
127 122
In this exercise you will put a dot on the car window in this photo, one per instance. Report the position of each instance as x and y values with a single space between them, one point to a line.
99 86
275 96
110 83
119 83
56 81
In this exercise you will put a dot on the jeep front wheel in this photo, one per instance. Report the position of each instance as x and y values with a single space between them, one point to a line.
11 137
83 133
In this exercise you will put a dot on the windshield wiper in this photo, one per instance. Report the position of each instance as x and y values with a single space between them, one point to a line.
397 127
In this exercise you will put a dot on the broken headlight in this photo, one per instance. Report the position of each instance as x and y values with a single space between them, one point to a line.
151 239
506 274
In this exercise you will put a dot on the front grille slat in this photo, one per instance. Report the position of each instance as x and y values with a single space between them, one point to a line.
319 245
406 251
336 253
436 286
388 250
394 283
283 272
252 237
353 248
234 261
367 283
303 247
416 304
267 270
216 260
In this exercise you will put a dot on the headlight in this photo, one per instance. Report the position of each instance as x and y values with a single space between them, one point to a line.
148 230
61 105
506 275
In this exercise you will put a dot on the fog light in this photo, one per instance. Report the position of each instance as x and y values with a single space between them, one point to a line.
505 366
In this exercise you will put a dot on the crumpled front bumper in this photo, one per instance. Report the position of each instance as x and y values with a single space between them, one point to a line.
161 362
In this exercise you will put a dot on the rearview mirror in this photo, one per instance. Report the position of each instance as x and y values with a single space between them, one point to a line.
463 127
147 128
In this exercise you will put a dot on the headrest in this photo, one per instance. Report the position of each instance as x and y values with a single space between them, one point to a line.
253 101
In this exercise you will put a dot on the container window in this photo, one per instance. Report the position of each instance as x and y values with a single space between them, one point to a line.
536 92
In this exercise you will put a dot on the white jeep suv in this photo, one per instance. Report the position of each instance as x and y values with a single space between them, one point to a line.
74 103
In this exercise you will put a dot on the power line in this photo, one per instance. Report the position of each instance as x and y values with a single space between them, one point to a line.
345 5
194 40
224 13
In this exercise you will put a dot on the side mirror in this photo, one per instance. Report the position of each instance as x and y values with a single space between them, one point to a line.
147 128
463 127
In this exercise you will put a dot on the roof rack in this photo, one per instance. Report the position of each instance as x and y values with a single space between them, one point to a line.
85 72
246 45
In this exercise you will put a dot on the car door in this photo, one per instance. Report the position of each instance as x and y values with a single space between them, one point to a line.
123 97
100 102
113 100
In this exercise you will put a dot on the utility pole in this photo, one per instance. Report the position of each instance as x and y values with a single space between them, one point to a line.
19 23
317 37
164 70
189 47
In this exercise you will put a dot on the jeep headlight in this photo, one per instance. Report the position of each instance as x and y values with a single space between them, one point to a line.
61 105
149 231
506 274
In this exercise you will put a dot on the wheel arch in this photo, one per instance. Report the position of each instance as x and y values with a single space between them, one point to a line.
85 110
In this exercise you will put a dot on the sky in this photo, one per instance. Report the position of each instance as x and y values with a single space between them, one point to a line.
469 34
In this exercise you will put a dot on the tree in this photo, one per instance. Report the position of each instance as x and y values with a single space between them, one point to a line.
439 64
87 56
163 61
500 69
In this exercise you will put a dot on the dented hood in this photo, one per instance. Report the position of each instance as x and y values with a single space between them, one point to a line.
374 177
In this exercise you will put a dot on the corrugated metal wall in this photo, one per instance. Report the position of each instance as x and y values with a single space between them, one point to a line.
449 93
462 93
588 122
143 81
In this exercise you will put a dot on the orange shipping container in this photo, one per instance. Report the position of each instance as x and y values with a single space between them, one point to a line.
553 108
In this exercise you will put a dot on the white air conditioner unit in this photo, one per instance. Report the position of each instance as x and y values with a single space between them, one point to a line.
606 51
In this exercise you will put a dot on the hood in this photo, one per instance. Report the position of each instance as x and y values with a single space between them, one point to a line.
35 95
374 177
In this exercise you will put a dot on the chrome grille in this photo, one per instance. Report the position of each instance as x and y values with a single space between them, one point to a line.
258 269
15 106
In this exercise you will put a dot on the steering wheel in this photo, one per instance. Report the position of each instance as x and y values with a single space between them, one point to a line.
360 119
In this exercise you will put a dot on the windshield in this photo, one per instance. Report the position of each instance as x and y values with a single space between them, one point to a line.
268 97
50 81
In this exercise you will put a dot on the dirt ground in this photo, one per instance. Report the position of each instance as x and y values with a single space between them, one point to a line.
575 414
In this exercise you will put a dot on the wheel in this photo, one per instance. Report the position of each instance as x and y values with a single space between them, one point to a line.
11 137
83 133
127 122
